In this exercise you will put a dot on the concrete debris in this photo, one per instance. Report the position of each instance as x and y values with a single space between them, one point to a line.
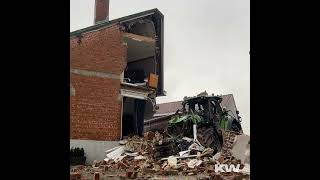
139 157
115 154
131 154
95 163
119 158
193 163
110 150
181 157
198 163
123 142
184 153
155 154
196 146
216 156
172 162
156 167
208 152
164 164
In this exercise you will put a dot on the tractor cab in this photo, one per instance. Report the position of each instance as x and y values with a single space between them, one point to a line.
206 106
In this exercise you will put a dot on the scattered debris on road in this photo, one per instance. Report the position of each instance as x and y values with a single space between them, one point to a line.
142 157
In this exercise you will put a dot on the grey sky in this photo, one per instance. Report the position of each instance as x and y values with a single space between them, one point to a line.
206 45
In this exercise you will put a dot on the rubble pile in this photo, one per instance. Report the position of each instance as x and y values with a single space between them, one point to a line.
156 155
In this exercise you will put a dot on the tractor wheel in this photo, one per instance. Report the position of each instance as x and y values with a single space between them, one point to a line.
208 137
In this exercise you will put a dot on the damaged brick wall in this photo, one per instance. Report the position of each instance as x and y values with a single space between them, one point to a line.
97 59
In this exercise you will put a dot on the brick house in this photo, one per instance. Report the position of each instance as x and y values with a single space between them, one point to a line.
100 57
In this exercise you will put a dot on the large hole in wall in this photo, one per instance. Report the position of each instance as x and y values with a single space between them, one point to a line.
141 62
141 44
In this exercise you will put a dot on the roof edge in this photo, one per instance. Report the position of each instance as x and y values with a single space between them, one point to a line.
115 21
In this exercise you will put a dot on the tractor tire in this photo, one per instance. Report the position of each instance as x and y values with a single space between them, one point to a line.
208 137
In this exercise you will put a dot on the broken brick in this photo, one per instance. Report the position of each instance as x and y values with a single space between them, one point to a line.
150 166
105 168
171 172
149 171
156 167
149 135
96 176
221 159
122 165
75 175
131 174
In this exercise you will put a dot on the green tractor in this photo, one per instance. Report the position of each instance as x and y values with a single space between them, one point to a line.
211 120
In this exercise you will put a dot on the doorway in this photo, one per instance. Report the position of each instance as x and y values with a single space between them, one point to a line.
133 116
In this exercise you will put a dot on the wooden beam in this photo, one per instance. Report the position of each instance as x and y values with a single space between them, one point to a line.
139 37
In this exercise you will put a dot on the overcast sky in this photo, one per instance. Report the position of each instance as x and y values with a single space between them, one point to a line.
206 45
